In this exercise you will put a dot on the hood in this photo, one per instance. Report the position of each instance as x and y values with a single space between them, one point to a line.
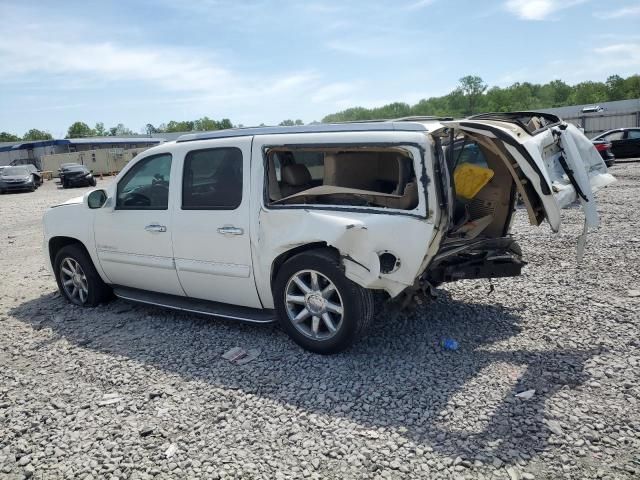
15 177
71 201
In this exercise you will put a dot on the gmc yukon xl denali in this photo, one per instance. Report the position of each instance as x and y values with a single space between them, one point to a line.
302 225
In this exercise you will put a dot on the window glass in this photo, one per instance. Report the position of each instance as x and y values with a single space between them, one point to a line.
614 136
314 161
633 134
470 153
212 179
146 185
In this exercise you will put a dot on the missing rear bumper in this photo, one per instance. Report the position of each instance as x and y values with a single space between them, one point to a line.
483 258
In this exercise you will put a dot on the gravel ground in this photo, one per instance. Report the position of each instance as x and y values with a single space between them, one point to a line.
126 391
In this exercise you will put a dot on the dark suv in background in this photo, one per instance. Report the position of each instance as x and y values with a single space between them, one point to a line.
75 175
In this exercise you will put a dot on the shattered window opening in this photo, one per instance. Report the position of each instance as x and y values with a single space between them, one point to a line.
381 177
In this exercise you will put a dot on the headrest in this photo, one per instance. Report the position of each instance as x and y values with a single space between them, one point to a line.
296 174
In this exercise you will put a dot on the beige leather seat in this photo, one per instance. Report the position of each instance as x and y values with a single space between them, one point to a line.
295 178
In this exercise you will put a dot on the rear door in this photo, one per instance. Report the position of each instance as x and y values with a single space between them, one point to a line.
559 163
630 146
211 241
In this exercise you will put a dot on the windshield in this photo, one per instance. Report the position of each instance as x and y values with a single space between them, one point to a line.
15 171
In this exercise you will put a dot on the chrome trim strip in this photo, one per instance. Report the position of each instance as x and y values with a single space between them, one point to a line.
173 307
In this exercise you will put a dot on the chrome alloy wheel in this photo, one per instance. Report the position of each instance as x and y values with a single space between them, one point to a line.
74 281
314 305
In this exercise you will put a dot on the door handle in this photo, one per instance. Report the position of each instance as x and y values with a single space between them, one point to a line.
154 227
229 230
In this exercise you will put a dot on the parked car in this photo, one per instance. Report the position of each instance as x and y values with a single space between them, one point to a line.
63 168
37 174
625 142
17 178
604 149
302 224
77 176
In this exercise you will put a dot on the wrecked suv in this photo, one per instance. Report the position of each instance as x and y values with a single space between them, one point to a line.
303 224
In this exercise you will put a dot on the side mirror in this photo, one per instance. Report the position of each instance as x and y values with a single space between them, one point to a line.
96 199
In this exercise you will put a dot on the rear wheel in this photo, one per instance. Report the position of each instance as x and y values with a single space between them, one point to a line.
319 308
77 278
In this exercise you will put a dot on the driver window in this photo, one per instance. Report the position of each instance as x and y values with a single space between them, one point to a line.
146 185
212 179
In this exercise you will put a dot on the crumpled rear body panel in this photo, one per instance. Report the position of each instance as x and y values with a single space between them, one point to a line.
359 237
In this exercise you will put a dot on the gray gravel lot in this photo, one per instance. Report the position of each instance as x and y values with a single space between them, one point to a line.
126 391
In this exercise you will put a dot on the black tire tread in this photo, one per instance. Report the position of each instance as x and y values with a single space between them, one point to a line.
99 292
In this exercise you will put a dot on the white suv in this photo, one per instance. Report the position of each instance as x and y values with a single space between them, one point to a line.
302 224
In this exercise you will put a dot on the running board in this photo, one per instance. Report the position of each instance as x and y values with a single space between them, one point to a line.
194 305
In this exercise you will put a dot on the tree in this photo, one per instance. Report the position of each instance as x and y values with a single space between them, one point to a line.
299 122
472 96
225 123
8 137
186 126
615 87
472 87
80 130
35 134
119 131
287 123
99 130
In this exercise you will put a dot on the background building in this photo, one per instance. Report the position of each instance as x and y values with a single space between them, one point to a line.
602 116
102 151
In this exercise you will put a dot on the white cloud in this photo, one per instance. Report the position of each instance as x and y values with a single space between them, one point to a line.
419 4
632 11
538 9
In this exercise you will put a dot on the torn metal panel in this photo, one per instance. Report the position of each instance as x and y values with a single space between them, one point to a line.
358 237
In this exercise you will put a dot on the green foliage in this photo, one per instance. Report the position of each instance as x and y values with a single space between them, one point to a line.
8 137
99 130
79 130
120 131
35 134
472 96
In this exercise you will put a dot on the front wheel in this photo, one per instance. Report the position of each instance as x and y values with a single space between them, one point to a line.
77 278
318 307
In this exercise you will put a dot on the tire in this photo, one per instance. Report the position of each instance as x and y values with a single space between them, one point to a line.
96 290
93 182
356 302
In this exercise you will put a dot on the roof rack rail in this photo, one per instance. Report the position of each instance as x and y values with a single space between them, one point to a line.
421 118
379 126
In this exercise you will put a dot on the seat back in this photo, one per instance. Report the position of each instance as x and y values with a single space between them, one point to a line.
295 178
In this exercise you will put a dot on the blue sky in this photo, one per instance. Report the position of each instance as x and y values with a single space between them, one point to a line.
256 61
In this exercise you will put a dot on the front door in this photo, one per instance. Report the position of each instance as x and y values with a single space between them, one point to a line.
133 231
211 222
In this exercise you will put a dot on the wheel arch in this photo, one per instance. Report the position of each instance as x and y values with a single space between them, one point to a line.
283 257
59 242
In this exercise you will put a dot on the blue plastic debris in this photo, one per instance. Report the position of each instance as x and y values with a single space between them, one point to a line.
449 344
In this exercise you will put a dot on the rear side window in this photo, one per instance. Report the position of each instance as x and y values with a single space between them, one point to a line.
212 179
633 134
146 185
614 136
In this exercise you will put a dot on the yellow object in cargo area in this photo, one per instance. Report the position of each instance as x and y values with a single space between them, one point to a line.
470 179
